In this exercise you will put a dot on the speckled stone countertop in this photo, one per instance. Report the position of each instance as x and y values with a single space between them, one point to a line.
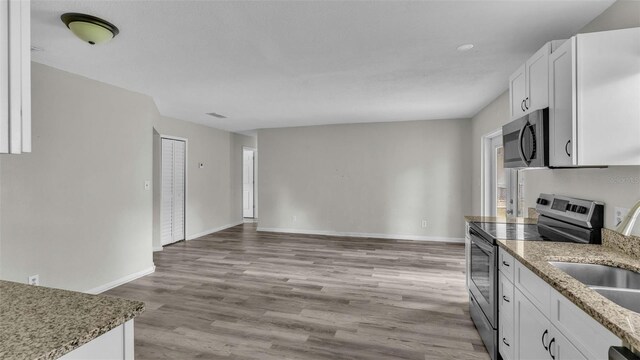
519 220
44 323
536 255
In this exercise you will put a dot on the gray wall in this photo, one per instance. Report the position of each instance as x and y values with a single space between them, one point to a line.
616 186
75 210
214 196
380 178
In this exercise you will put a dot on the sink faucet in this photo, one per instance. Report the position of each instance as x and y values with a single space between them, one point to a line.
626 225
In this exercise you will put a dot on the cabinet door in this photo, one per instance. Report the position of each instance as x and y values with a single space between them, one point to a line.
532 329
517 92
562 111
561 349
537 76
506 323
608 89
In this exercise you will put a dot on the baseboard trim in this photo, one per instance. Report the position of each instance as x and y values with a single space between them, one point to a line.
211 231
364 235
123 280
157 248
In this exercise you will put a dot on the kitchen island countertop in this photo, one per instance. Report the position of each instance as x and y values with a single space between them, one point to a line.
44 323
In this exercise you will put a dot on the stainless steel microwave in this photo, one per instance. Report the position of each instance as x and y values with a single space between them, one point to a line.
526 141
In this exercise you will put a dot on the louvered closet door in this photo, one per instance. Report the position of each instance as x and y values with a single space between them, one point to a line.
173 186
179 152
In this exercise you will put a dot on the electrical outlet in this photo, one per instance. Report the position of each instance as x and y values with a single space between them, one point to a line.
620 214
34 280
147 184
424 223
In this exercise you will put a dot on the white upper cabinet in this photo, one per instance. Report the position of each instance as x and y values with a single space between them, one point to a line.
529 85
561 112
517 93
15 76
537 72
594 111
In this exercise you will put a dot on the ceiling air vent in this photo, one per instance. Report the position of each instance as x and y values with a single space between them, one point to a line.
217 115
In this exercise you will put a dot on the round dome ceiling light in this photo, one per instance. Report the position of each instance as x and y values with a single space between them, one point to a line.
90 28
465 47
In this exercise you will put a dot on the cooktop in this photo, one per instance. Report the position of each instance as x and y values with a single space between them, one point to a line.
510 231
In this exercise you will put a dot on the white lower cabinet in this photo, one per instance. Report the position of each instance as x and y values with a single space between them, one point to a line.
116 344
536 338
505 332
536 322
531 330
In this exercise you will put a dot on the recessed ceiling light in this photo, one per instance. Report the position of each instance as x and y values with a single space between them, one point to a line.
217 115
465 47
90 28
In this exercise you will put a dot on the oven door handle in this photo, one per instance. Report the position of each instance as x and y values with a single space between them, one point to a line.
482 244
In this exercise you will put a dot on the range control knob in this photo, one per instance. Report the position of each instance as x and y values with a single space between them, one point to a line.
574 208
542 201
582 210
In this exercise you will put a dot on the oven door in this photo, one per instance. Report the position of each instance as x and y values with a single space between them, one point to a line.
483 279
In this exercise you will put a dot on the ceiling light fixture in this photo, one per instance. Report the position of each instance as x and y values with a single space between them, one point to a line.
465 47
90 28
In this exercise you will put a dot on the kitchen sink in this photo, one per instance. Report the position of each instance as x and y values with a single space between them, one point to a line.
621 286
629 299
601 275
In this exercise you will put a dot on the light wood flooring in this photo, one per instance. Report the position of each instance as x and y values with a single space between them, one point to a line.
243 294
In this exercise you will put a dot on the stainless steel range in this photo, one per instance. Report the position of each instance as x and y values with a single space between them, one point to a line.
561 218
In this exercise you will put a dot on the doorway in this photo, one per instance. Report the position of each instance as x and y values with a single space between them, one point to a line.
502 191
173 189
248 182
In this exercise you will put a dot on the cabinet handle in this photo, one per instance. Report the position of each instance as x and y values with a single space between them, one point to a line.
526 103
550 353
544 334
522 106
505 263
504 341
505 298
566 147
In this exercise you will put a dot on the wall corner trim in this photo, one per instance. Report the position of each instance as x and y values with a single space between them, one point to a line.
211 231
364 235
121 281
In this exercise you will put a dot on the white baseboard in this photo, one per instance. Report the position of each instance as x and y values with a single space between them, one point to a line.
157 248
364 235
211 231
121 281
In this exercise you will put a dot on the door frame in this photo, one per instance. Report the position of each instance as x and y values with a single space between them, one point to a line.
255 182
485 168
186 177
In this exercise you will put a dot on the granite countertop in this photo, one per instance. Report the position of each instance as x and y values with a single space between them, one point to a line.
535 255
44 323
502 220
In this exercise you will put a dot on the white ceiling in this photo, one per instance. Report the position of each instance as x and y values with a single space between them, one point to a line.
276 64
